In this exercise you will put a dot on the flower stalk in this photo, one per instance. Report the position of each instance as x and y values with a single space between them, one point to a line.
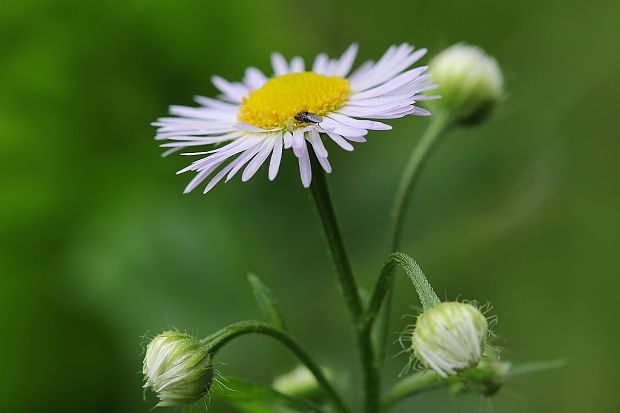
220 338
335 242
428 298
348 286
439 125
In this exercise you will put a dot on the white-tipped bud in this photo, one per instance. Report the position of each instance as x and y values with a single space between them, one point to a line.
450 337
178 368
299 382
470 82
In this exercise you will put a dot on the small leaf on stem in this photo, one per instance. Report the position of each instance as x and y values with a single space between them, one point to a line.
266 302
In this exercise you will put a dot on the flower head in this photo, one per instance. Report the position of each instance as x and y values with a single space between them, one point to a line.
296 108
470 82
450 337
178 368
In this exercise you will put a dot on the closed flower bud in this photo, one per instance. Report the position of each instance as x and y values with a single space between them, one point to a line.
299 382
450 337
470 82
178 368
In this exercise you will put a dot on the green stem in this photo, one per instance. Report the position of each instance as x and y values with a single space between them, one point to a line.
428 298
219 339
440 122
438 125
331 230
348 286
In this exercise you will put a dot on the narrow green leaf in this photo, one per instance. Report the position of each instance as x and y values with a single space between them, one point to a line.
244 392
266 302
481 377
535 367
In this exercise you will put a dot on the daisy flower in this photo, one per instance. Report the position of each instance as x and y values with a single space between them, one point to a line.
255 120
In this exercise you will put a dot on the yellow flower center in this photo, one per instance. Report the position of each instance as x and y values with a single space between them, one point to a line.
276 103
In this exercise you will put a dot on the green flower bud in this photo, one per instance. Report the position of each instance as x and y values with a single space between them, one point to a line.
450 337
178 368
299 382
470 82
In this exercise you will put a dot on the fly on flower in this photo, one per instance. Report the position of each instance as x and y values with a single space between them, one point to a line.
256 119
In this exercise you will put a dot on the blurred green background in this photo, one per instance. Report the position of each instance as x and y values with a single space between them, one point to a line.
100 249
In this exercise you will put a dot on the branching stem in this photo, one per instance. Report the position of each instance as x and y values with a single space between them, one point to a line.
348 286
219 339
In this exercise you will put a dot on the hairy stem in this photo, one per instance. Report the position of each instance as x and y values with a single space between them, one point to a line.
348 286
421 152
219 339
440 122
333 236
428 298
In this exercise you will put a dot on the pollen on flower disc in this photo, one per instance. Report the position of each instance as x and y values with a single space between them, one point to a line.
281 98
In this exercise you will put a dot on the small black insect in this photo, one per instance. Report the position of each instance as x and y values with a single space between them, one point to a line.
308 117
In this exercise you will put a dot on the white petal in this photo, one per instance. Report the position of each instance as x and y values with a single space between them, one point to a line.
203 113
297 65
340 141
221 153
381 113
331 67
359 139
357 123
208 139
217 104
258 160
200 176
392 84
298 139
325 164
279 64
393 62
305 170
320 63
186 144
394 114
420 111
218 177
252 128
346 61
420 98
338 128
288 140
368 79
380 100
233 91
254 78
173 130
169 152
317 144
276 156
361 72
243 159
